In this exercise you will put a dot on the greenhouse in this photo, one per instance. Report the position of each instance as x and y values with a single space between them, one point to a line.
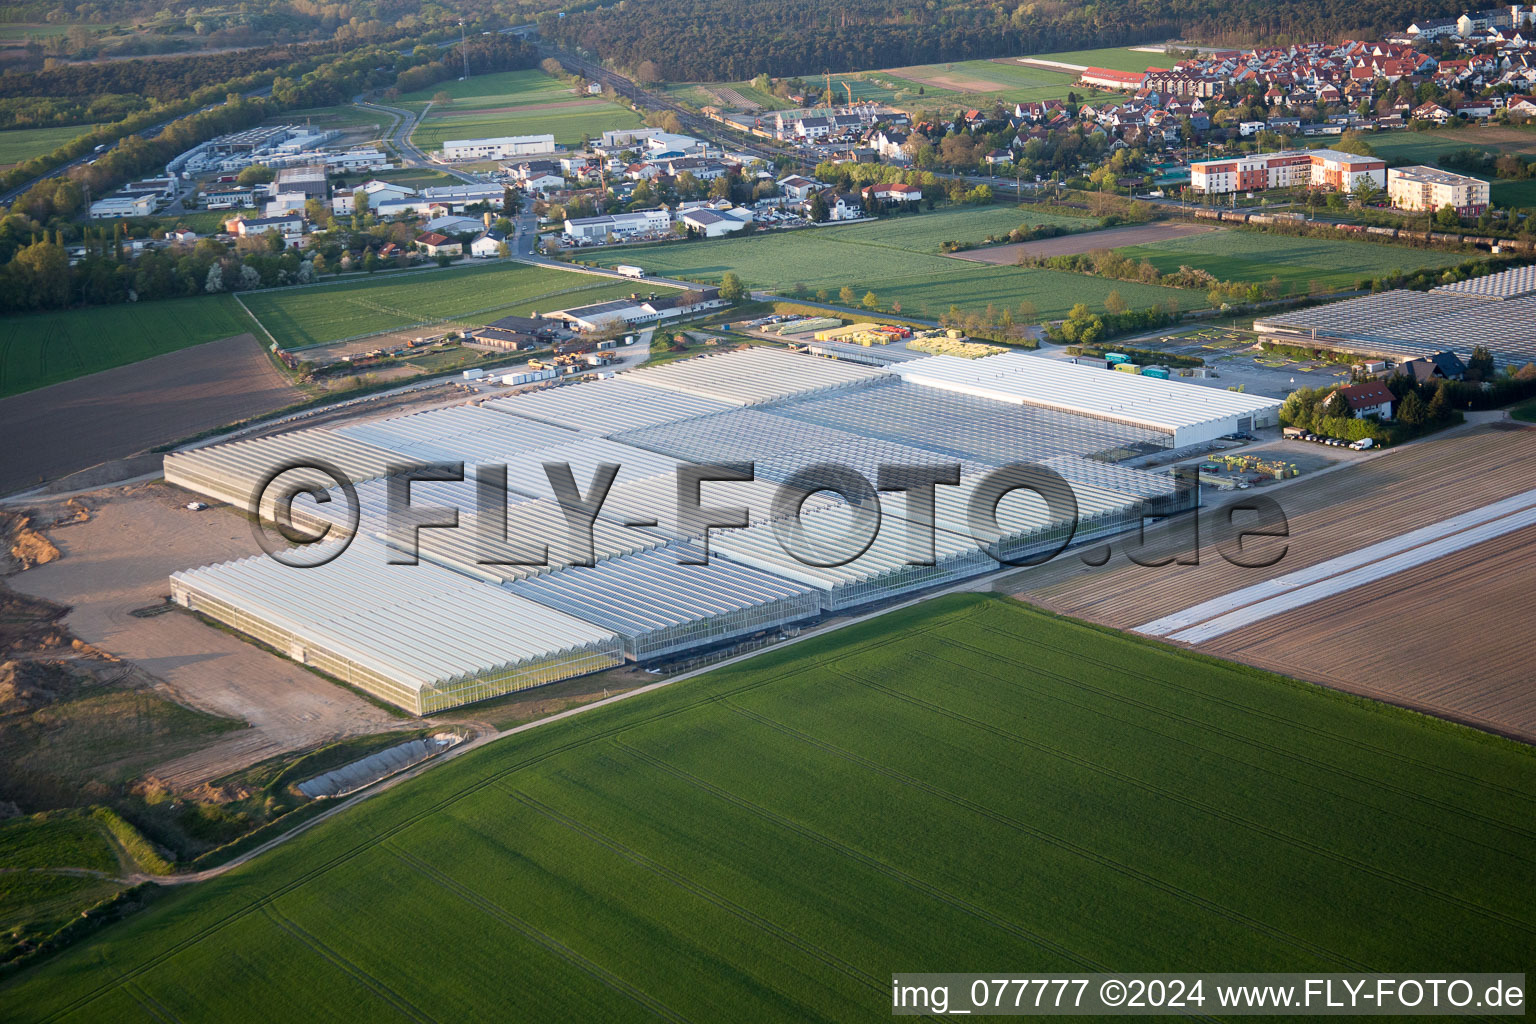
460 433
235 471
968 426
882 571
530 524
424 639
755 375
607 407
660 607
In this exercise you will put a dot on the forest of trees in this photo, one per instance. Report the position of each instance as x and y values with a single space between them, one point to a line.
711 40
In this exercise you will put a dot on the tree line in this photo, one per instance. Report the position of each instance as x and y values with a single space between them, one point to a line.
714 40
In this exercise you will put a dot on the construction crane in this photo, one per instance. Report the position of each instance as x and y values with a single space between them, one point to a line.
828 93
845 85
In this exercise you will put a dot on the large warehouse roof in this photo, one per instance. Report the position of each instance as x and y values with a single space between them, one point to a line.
424 633
1189 412
530 524
755 375
460 433
232 472
607 407
1409 323
659 606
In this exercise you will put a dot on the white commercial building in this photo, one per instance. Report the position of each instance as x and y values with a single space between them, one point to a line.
123 206
619 225
714 223
1192 414
501 148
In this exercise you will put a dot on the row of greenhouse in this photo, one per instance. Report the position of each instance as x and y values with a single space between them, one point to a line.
519 582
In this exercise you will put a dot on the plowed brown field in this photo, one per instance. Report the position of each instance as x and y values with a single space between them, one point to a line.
1453 637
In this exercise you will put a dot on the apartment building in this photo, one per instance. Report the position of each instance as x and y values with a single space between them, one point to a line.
1255 172
1429 188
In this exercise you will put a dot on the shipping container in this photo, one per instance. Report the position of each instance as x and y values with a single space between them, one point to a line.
1114 358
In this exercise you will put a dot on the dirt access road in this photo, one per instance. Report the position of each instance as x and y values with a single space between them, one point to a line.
1087 241
119 560
72 426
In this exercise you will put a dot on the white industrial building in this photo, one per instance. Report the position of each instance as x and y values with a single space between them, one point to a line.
516 618
502 147
619 225
1190 413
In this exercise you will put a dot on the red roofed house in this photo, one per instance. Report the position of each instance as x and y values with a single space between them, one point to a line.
896 193
434 243
1373 399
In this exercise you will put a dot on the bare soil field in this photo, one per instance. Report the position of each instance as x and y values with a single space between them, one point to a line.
1451 637
118 561
116 413
955 82
1088 241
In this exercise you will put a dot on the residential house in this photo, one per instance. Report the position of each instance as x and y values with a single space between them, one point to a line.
289 225
1360 400
1440 366
434 243
488 244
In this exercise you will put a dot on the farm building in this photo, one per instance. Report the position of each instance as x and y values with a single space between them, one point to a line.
1498 311
391 644
1185 414
660 606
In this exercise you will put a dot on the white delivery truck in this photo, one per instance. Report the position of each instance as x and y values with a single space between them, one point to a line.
625 270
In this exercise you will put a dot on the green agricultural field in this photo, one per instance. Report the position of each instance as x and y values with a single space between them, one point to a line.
303 317
514 103
1255 256
18 144
1426 147
964 784
1514 193
567 123
898 259
1116 58
502 88
45 348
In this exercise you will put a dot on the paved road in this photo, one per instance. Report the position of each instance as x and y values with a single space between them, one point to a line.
147 133
399 135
